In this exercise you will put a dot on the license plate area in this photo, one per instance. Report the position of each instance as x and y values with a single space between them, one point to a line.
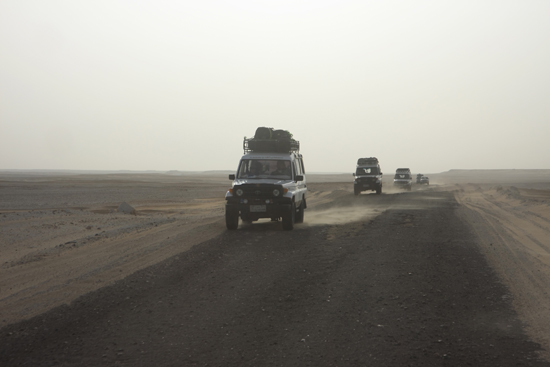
258 208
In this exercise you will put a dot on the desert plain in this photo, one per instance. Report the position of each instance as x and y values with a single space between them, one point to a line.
63 235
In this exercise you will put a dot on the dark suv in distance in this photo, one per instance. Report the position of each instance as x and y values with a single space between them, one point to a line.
403 178
368 176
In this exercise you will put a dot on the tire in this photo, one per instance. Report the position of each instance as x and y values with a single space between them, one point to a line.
379 190
289 218
356 192
231 220
300 214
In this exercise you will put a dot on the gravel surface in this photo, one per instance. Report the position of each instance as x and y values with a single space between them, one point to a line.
404 284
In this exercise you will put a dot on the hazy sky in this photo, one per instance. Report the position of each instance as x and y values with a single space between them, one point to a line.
175 85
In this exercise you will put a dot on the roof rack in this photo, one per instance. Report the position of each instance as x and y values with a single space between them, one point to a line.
271 145
367 161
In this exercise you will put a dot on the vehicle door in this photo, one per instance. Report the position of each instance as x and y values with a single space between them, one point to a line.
301 186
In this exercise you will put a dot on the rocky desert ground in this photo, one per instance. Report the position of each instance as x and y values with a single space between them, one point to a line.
64 236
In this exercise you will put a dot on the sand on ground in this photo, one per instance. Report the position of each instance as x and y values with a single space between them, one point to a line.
61 236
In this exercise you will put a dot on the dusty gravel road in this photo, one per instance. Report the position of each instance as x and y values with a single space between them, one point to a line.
401 283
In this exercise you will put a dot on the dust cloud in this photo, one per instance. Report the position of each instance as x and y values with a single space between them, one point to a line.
342 215
335 203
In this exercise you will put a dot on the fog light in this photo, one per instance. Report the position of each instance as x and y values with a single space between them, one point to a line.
245 201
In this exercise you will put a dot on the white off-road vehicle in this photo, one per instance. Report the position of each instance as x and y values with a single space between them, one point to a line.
270 183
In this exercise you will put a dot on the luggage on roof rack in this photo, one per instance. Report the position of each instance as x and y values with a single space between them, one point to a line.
270 145
367 161
264 133
281 135
267 139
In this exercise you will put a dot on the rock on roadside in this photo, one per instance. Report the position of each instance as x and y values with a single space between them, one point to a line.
126 208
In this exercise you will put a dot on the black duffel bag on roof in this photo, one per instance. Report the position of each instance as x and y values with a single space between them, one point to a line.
264 133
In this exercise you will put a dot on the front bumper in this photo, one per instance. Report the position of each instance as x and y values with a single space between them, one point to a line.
259 208
366 185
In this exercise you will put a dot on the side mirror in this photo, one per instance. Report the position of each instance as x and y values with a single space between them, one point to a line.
298 178
353 174
232 177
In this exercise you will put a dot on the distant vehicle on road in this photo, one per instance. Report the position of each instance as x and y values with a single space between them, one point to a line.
419 177
368 176
403 179
425 180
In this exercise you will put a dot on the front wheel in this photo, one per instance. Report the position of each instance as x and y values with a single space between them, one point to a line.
300 213
231 220
379 190
289 218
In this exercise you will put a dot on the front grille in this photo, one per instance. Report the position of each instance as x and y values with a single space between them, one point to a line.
259 190
366 179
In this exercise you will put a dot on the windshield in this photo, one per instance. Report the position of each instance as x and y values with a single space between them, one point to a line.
265 168
402 175
366 171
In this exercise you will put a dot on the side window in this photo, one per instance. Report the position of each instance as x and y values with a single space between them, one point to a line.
302 166
299 168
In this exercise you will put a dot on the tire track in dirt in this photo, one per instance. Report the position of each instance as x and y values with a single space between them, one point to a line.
517 247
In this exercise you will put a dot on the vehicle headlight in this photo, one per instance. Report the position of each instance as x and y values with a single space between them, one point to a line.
276 192
239 192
